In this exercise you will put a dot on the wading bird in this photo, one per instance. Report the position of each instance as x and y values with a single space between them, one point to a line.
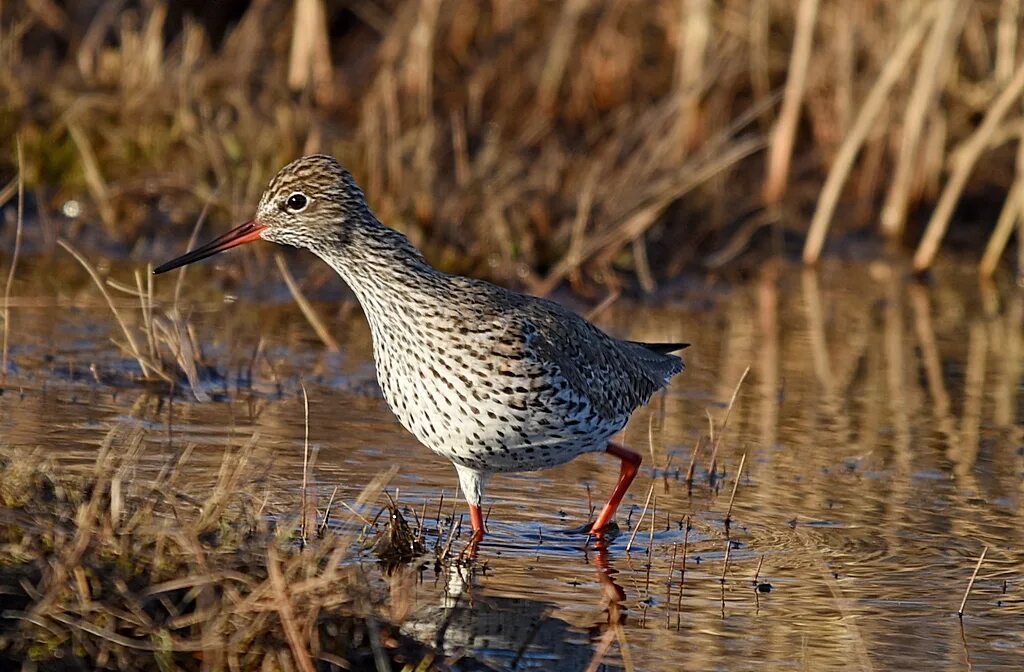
494 380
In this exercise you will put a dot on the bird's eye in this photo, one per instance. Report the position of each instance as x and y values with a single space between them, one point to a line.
297 202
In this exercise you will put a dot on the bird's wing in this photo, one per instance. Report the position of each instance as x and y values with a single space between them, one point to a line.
608 372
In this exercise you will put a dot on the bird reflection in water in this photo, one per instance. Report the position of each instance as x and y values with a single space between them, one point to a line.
517 632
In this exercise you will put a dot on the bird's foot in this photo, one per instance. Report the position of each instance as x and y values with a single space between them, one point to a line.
468 554
609 531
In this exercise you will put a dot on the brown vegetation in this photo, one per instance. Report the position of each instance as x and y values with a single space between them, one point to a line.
533 141
101 569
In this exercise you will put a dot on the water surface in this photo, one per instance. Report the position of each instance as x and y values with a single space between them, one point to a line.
881 424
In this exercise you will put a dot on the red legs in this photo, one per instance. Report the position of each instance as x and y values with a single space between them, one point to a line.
472 483
476 518
630 466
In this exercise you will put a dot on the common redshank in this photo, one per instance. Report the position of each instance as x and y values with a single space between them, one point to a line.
494 380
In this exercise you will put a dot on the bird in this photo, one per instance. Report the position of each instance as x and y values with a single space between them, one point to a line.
494 380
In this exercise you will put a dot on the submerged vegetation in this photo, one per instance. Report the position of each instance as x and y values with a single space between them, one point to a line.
531 142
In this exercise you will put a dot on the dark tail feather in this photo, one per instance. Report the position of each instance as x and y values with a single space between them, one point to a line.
663 348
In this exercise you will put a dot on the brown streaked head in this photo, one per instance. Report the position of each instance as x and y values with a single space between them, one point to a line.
310 202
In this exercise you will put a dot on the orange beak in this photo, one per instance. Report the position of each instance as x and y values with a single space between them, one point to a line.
246 233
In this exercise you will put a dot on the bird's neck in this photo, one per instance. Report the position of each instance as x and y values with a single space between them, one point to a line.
388 275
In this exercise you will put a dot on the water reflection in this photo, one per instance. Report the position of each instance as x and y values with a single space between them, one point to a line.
515 632
881 423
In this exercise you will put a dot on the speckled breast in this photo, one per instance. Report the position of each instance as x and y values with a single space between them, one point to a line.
462 399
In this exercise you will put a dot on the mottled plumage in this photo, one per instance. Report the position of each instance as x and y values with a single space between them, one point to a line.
494 380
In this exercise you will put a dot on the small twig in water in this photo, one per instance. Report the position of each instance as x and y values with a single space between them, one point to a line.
641 520
682 571
423 521
725 566
361 517
736 483
716 442
693 460
970 584
133 347
650 435
650 549
180 282
327 513
440 503
305 458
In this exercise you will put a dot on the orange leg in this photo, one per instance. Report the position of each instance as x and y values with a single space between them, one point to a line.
476 518
630 466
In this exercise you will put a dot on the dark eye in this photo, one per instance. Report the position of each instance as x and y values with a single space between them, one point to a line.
297 202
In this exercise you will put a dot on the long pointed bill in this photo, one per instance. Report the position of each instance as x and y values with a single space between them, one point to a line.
246 233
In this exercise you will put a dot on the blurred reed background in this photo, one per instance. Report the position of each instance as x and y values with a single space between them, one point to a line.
596 142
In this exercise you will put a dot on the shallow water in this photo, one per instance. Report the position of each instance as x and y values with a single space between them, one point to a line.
881 423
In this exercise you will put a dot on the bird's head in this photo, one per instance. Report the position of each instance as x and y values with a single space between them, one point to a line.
312 202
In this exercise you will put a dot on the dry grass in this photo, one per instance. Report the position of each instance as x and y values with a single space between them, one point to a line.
164 346
101 570
532 142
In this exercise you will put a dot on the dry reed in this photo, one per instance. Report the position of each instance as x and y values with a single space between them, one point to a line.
550 143
148 573
14 259
716 441
970 584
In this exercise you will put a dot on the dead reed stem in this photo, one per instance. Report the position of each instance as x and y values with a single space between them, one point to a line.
970 584
691 68
682 566
14 257
636 529
869 112
735 485
133 347
650 435
693 459
305 460
94 176
286 612
933 63
1007 33
717 440
307 309
1005 224
605 304
963 159
780 151
193 237
322 527
1020 250
310 58
558 53
644 217
1011 214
